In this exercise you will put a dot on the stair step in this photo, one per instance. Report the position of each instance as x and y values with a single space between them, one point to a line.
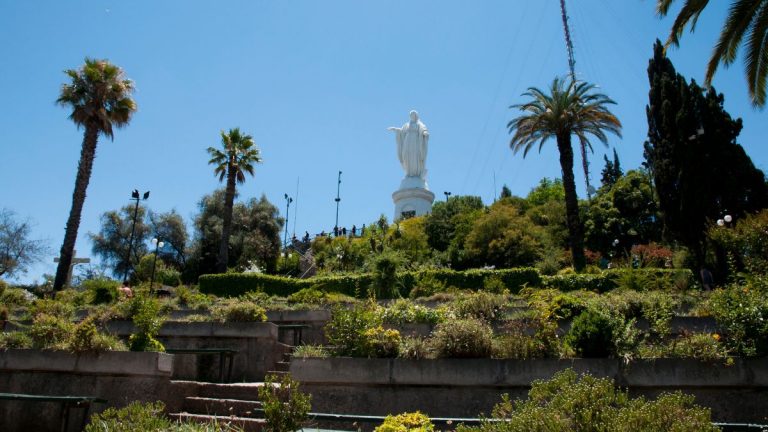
242 391
247 424
223 407
283 366
288 356
278 373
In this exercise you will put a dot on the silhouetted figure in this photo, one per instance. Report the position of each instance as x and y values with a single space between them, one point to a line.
354 230
707 281
335 231
344 231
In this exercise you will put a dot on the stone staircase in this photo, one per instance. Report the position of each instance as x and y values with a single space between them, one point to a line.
223 404
234 404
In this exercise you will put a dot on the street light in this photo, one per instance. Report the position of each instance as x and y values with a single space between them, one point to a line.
288 201
134 196
447 194
338 199
158 244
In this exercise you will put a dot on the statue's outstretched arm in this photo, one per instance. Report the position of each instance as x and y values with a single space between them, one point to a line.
394 129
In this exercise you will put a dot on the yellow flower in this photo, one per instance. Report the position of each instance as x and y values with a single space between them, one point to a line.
716 336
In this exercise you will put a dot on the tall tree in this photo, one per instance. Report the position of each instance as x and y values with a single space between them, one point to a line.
17 249
255 237
699 169
570 108
111 242
100 98
745 18
237 157
612 171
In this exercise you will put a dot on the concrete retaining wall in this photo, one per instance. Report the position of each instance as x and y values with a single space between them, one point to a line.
119 377
256 344
469 387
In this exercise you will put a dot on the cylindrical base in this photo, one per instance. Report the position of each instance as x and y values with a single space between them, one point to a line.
412 202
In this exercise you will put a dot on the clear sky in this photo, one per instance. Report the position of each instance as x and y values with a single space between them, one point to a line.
316 83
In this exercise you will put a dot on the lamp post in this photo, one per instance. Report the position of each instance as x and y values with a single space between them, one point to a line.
158 244
134 196
288 201
447 195
726 220
338 199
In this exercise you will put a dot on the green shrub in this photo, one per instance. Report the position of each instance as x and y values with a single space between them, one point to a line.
345 329
53 308
72 296
100 291
3 286
86 337
591 334
379 342
480 305
147 319
403 311
463 338
415 348
285 406
4 313
239 311
191 298
310 296
494 284
700 346
15 340
235 284
636 279
15 297
49 332
137 416
742 311
572 403
310 351
406 422
516 343
427 285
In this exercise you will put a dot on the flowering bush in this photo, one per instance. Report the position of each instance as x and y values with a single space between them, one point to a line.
652 255
407 422
380 342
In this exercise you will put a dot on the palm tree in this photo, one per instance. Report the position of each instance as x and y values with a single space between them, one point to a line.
745 18
569 109
237 158
100 98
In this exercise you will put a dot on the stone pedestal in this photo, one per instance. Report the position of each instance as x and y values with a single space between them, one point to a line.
413 198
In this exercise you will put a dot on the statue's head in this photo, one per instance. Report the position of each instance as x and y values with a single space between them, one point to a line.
414 116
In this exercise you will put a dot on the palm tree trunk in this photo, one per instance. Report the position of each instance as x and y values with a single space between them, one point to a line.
84 168
226 229
575 229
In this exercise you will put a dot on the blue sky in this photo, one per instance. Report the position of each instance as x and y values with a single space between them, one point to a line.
316 83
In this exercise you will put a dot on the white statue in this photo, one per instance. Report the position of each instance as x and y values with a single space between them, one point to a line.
412 140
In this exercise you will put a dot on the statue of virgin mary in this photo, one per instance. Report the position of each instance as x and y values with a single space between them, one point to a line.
412 140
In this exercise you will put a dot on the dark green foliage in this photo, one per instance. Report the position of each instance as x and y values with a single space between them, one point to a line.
644 279
546 191
503 238
254 240
463 338
286 407
505 192
699 169
612 170
626 211
447 218
237 284
385 282
86 337
591 334
100 291
148 417
571 403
